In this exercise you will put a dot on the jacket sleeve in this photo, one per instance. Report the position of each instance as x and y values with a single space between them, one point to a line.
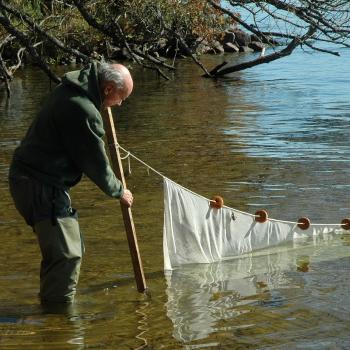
81 130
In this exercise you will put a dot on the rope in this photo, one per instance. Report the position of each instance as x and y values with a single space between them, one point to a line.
129 154
126 156
129 165
140 161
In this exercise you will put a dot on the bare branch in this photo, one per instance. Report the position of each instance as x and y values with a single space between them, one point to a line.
20 52
321 50
25 41
187 49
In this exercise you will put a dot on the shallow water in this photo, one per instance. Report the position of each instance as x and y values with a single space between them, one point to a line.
273 137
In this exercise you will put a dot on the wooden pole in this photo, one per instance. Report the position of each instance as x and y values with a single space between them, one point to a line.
117 167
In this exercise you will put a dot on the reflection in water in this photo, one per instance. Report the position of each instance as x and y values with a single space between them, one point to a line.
206 299
220 287
143 326
16 101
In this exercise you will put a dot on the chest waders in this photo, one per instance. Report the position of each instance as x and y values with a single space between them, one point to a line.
48 210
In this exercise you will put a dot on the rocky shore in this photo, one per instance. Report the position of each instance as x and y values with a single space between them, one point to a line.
231 41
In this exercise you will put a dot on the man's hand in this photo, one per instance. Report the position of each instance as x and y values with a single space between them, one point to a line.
127 198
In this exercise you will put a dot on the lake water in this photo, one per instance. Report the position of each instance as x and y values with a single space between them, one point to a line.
275 137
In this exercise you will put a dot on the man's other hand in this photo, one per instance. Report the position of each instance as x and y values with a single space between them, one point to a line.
127 198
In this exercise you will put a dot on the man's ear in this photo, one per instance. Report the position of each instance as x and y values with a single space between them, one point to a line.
107 88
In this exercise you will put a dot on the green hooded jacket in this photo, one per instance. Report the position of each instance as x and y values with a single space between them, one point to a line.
65 139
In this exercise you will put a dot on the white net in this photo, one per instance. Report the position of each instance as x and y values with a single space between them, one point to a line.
194 232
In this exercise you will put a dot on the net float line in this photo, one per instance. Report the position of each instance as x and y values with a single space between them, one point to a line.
217 202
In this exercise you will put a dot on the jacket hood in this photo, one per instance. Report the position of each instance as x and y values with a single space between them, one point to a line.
86 80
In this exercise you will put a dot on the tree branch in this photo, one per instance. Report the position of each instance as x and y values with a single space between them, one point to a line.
108 30
25 41
238 20
6 77
266 59
35 27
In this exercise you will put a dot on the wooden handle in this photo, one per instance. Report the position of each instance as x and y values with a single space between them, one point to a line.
117 166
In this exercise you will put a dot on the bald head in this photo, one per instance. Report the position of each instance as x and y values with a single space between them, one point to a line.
124 72
116 83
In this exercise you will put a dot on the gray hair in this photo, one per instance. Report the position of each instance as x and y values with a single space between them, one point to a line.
106 72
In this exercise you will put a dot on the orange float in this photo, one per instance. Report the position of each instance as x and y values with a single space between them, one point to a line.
261 216
345 224
304 223
217 202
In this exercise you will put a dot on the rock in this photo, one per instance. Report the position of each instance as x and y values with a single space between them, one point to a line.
216 47
230 47
245 49
257 46
242 38
209 48
228 42
229 37
254 37
202 46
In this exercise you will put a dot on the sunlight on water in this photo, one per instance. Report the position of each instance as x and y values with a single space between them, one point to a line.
300 114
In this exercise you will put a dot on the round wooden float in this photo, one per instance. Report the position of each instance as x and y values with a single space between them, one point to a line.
304 223
345 224
261 216
217 202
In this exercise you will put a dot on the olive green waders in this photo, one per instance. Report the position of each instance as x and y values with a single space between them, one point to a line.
48 210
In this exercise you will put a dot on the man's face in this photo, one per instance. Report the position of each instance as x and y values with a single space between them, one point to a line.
112 96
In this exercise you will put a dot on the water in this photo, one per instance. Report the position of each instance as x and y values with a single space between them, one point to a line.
273 137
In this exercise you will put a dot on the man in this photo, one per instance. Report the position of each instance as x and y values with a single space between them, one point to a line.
63 143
